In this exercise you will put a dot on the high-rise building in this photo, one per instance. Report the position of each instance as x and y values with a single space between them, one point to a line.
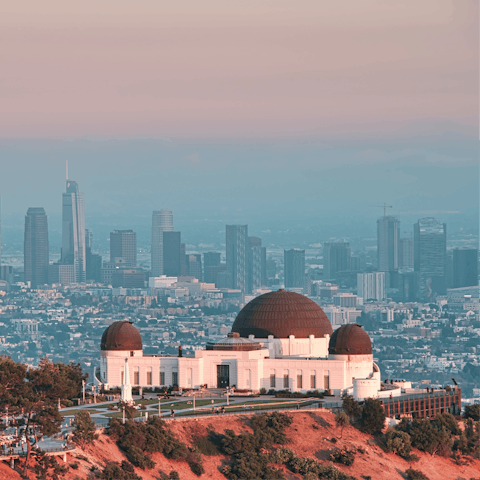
388 241
162 221
211 264
465 267
0 229
194 265
430 251
183 260
36 253
371 286
123 244
171 254
294 262
73 231
336 258
256 264
405 253
236 250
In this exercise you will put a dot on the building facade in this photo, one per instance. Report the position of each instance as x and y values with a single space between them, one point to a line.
236 252
36 247
371 286
336 258
294 268
162 221
465 267
388 242
123 244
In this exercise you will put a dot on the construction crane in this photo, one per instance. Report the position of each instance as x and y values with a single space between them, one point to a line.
384 206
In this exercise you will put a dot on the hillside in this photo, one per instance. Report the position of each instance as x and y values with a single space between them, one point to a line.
310 434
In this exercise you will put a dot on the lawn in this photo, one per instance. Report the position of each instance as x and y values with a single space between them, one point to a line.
69 413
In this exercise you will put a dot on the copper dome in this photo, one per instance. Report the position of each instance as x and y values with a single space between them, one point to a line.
121 336
350 339
282 314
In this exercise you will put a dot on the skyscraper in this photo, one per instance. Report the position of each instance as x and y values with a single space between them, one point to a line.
236 250
162 221
256 264
430 251
171 254
465 267
35 250
371 286
336 258
388 240
194 265
123 244
0 229
405 253
294 261
73 231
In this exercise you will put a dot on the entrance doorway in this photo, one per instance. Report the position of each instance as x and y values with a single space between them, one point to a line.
223 376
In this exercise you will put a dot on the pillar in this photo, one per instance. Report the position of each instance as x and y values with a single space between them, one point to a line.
12 463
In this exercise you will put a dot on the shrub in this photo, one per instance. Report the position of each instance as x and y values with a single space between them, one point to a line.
115 471
473 412
74 465
174 475
341 419
333 440
345 457
398 442
84 429
448 421
251 465
206 446
263 391
352 407
415 474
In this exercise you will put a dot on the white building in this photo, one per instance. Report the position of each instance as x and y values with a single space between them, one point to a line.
279 340
371 286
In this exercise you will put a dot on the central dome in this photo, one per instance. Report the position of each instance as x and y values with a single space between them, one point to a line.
282 314
121 336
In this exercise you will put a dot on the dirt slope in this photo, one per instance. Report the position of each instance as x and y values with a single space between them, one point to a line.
310 435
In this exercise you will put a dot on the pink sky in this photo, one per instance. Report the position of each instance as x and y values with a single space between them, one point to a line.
236 69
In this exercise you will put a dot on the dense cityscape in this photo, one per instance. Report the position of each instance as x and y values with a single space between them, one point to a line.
416 295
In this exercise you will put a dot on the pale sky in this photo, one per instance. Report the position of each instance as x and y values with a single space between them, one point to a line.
230 69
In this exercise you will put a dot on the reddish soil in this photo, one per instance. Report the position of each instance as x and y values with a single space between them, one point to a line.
310 435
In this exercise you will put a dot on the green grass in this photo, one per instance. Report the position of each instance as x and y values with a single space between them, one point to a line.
69 413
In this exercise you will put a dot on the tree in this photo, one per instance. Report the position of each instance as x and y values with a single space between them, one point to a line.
84 429
473 412
352 407
341 419
35 393
448 421
373 416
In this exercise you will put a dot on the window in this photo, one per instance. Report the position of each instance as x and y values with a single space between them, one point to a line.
175 378
286 381
162 378
121 381
136 377
272 380
149 378
299 381
313 383
326 382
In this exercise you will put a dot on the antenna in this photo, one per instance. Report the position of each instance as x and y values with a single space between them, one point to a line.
67 170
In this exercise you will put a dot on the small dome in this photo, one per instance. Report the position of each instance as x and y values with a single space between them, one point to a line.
233 342
282 314
350 339
121 336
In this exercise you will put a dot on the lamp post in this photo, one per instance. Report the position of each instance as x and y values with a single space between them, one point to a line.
159 407
123 419
194 401
83 390
228 393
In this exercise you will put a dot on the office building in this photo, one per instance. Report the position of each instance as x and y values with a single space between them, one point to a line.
123 244
211 262
256 264
171 254
388 241
1 230
194 265
162 221
371 286
73 231
35 251
336 258
128 277
294 268
430 251
236 252
405 253
63 274
465 267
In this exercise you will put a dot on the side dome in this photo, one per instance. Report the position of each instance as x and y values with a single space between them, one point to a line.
282 314
121 336
350 339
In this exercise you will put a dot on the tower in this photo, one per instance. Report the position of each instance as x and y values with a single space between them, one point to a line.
123 244
162 221
171 253
465 267
73 230
430 252
35 252
294 261
236 246
336 258
388 241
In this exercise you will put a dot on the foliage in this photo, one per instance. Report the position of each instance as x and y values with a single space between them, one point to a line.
84 429
415 474
174 475
398 442
209 445
342 419
352 407
289 394
117 471
448 421
473 412
345 456
373 416
47 467
251 465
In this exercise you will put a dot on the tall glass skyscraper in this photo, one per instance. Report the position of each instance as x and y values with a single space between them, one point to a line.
388 241
430 254
35 247
162 221
236 245
294 268
73 230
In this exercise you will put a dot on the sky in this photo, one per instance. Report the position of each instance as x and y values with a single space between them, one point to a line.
246 109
